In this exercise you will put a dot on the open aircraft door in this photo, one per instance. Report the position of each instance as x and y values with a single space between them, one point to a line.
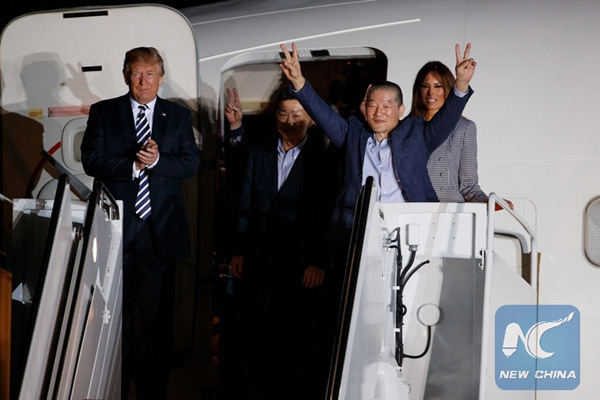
56 64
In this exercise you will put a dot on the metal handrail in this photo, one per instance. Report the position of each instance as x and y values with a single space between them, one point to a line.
489 254
4 198
493 199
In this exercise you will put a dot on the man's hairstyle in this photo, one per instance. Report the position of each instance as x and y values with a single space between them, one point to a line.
283 95
441 72
148 55
387 85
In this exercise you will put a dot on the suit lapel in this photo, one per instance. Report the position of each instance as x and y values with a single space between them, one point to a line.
159 121
127 119
270 171
398 137
365 134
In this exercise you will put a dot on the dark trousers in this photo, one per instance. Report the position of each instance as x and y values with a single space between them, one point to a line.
148 288
299 351
275 342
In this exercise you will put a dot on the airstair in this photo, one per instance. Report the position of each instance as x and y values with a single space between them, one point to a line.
422 287
66 300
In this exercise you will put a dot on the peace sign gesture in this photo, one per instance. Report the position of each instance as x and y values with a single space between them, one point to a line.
291 67
233 109
465 68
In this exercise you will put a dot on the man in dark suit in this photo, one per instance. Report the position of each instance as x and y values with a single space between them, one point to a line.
395 153
135 143
287 195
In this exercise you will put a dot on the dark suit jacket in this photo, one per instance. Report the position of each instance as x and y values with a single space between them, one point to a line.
413 140
108 152
287 226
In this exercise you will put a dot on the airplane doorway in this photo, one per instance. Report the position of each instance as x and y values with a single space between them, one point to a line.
340 76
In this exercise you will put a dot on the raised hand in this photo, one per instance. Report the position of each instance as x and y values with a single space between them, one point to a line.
465 68
233 109
291 67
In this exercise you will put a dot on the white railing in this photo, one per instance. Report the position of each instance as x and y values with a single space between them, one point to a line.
488 265
493 200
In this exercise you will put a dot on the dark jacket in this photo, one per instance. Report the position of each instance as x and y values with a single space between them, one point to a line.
413 140
287 226
108 152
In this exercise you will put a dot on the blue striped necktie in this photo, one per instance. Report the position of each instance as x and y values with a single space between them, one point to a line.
142 132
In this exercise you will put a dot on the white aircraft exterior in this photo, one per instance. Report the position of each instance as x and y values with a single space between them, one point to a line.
534 105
